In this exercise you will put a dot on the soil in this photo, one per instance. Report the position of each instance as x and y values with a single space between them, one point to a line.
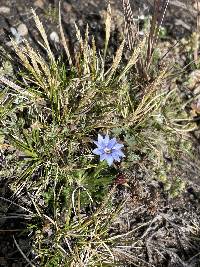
180 22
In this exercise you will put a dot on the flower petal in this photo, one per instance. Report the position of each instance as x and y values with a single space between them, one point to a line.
109 159
100 140
106 140
118 146
118 152
96 143
98 151
112 143
116 156
103 157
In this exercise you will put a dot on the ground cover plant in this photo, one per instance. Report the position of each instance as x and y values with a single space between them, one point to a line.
86 135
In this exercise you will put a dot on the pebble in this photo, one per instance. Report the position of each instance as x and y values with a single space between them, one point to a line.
67 7
22 29
194 79
54 37
197 134
39 3
4 10
197 90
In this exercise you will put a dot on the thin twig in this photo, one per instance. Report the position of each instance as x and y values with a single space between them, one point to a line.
16 244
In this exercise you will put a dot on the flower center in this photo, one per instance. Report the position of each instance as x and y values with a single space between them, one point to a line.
107 150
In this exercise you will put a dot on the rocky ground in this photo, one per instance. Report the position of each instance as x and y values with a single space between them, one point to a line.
16 16
16 21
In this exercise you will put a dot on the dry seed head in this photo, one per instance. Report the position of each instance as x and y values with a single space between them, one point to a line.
41 29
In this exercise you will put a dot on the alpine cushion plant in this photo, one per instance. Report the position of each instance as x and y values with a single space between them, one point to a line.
108 149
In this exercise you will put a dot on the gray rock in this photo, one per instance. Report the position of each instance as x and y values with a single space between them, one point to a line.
39 3
22 29
194 79
67 7
197 90
54 37
197 134
4 10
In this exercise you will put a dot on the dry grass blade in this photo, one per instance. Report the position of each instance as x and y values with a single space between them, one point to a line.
35 64
156 23
128 256
164 13
108 28
22 56
116 60
14 86
18 247
86 54
38 65
63 38
94 57
134 58
41 29
185 5
152 33
131 28
15 204
10 84
79 37
196 33
149 101
34 59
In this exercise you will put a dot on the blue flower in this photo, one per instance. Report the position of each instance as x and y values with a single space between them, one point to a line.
108 149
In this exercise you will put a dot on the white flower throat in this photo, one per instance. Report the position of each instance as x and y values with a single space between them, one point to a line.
107 150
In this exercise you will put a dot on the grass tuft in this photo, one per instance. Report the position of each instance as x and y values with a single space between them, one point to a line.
51 113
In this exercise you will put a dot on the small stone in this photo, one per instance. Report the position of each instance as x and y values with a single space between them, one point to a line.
22 29
54 37
4 10
197 134
80 23
39 3
67 7
194 79
197 90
